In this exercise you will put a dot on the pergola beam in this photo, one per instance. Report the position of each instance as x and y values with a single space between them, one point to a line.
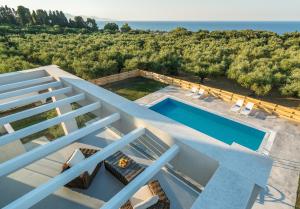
37 88
48 123
22 84
44 150
41 192
32 99
40 109
121 197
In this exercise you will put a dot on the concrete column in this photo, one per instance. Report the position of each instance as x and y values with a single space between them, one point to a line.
70 125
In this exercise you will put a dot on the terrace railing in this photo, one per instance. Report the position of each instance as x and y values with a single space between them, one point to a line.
274 109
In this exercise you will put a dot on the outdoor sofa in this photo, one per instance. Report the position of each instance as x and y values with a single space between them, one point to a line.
85 179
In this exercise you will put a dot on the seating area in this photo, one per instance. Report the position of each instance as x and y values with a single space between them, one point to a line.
102 187
247 109
238 107
124 174
85 179
196 93
150 196
199 94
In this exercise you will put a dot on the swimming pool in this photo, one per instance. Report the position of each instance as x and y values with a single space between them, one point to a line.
218 127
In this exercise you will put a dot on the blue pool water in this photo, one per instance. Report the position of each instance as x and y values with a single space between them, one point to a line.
223 129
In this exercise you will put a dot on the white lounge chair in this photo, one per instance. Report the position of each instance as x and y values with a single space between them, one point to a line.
193 91
199 94
238 105
247 109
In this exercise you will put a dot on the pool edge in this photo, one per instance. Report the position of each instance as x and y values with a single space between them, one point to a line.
266 143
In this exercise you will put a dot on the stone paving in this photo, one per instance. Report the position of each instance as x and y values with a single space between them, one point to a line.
283 182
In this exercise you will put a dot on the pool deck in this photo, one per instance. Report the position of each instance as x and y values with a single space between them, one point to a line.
282 187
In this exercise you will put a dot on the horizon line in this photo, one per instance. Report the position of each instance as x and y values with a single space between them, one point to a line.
119 20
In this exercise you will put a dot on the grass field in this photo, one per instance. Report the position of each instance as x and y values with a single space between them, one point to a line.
135 88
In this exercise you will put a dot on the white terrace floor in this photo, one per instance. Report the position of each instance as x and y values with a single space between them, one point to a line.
104 186
283 182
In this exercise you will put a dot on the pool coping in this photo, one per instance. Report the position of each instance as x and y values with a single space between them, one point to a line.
266 144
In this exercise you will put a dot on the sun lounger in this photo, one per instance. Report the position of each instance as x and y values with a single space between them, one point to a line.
237 106
247 109
199 94
193 91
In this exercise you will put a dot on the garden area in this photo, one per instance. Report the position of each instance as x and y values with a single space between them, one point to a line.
134 88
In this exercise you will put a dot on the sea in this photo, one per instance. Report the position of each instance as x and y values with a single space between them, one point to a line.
279 27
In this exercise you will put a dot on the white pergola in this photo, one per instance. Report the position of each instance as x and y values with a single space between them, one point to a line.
27 87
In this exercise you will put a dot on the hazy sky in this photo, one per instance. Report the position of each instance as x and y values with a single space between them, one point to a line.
171 9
